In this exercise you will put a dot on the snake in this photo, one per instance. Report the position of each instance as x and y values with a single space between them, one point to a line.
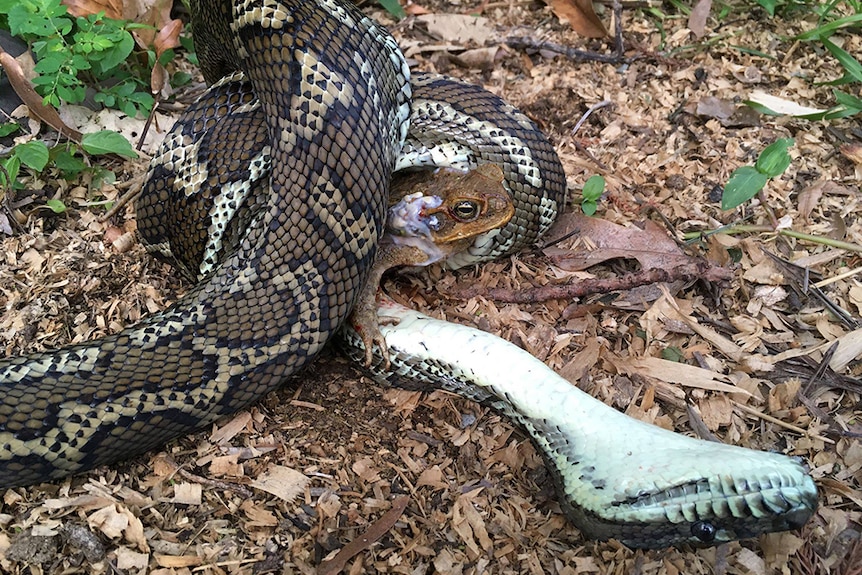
326 111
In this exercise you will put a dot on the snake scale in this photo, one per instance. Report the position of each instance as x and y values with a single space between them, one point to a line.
312 103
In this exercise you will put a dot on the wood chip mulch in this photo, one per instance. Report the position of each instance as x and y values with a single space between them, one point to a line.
304 481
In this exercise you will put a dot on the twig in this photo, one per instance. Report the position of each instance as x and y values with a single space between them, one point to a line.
238 489
135 186
839 277
756 229
587 114
687 272
799 275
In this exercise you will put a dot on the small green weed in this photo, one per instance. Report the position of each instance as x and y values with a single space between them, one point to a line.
592 193
37 156
747 181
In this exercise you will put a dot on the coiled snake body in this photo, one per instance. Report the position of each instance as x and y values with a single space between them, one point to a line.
320 93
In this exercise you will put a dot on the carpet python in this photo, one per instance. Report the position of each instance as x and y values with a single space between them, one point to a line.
314 105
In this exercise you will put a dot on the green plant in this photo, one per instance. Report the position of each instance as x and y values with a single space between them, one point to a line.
747 181
592 193
37 156
833 17
73 53
393 7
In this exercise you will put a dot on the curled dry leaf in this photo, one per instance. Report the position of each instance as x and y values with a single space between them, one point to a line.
581 17
697 18
33 100
650 246
83 8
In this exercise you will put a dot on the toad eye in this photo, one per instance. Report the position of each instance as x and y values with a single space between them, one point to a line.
465 211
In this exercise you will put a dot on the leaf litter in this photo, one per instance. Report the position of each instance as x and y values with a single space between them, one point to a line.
318 466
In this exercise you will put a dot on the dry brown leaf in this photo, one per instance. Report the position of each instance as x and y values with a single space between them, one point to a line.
374 532
712 107
414 9
751 561
109 521
849 349
226 466
810 196
478 58
677 373
463 527
83 8
582 361
476 523
715 411
650 246
258 515
432 477
116 521
726 346
366 470
697 18
581 17
458 28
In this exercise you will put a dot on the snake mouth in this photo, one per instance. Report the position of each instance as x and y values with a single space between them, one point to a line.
718 509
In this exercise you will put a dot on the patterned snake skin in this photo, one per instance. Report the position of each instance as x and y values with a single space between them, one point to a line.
320 93
271 192
334 90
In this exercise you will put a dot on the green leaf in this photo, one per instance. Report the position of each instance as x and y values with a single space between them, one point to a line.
13 166
56 206
117 53
393 7
594 188
769 6
6 5
8 128
774 159
588 207
67 163
848 62
848 100
827 29
744 183
107 142
674 354
32 154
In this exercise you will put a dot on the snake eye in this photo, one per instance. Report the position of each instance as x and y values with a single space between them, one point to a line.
465 211
704 531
